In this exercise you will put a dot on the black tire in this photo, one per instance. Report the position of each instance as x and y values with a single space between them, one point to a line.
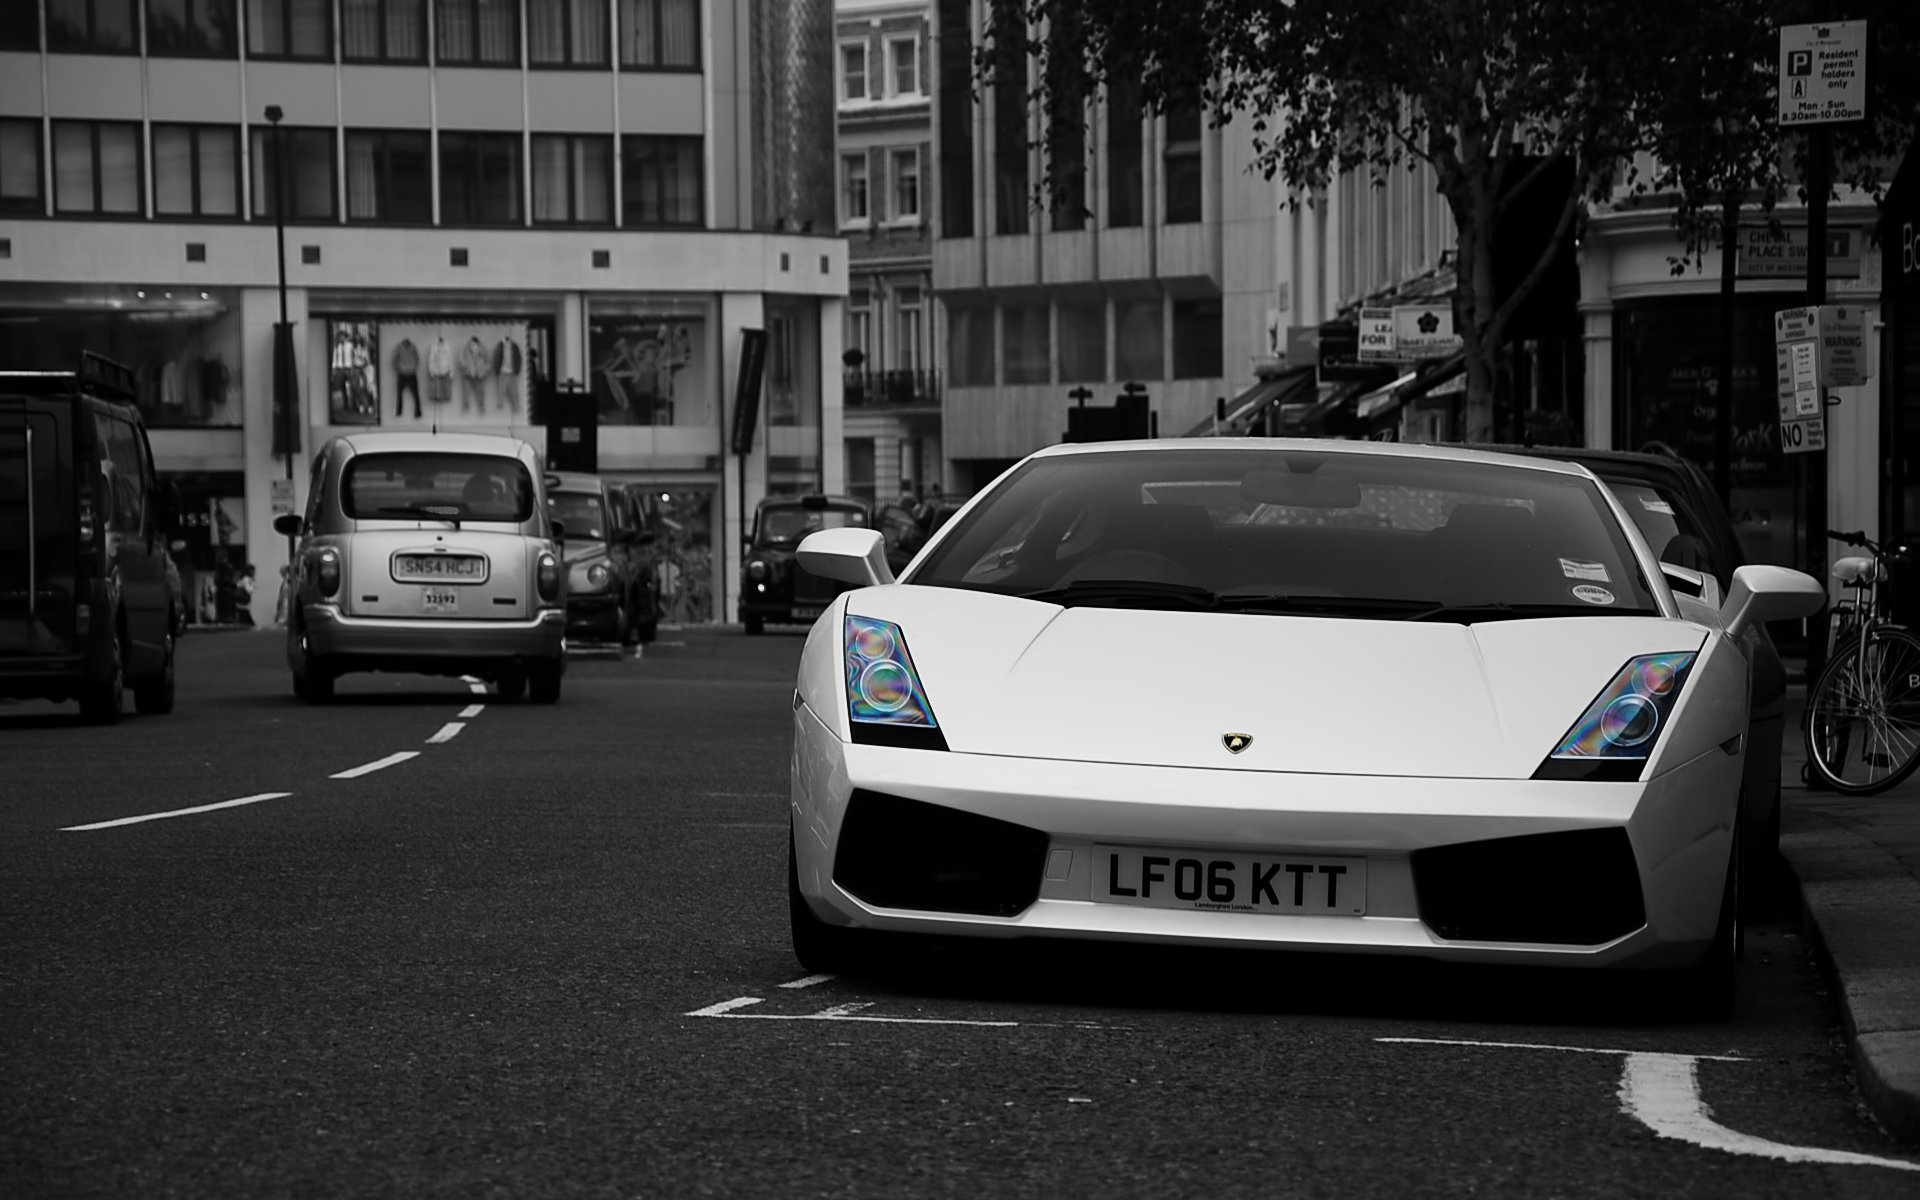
1765 889
543 683
154 698
312 675
1708 991
755 626
511 685
1831 723
821 947
101 703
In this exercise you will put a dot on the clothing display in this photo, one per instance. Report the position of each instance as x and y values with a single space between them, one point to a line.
406 372
440 372
475 366
507 365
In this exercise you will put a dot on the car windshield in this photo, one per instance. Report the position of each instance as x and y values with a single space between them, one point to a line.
1296 530
580 513
786 524
433 484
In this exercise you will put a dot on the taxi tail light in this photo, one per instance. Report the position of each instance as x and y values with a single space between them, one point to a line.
327 575
88 523
547 576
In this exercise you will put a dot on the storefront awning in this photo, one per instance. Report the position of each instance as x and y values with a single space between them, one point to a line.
1245 410
1432 378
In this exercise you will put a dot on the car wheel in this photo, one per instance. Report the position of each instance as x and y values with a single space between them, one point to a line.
1707 990
511 685
1766 891
155 697
100 702
755 626
312 676
818 945
543 683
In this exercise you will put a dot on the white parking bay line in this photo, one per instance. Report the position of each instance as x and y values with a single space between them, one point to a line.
838 1012
447 733
178 812
471 711
807 981
378 764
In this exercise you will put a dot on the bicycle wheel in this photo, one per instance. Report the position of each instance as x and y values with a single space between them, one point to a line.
1863 714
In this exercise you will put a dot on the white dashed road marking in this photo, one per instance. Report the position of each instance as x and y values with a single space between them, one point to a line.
807 981
178 812
838 1012
474 685
447 733
1662 1092
378 764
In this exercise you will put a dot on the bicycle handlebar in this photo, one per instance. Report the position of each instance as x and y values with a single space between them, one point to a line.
1857 537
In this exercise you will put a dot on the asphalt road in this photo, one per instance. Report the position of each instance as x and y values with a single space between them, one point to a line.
547 956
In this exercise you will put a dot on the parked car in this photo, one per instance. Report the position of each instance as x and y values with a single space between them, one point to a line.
774 589
87 607
427 553
609 559
646 549
1674 506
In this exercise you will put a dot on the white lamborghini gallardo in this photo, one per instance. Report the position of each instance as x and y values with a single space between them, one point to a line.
1330 696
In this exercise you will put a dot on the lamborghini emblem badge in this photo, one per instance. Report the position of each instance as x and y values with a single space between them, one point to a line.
1236 742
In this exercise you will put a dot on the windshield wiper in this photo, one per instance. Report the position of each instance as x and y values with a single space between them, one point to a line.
1121 593
437 512
1466 614
1325 605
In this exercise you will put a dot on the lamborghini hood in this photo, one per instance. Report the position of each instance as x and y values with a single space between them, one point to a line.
1316 694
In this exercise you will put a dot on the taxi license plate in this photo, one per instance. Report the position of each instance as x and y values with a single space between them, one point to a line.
429 568
807 613
1279 884
440 600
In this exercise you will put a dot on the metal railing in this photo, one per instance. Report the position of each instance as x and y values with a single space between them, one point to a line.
896 387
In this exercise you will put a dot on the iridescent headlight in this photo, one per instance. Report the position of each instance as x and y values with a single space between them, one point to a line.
1625 721
882 686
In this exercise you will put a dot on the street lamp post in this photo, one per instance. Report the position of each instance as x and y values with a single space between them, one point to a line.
282 333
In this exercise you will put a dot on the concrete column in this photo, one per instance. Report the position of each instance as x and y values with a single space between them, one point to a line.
1596 431
833 446
570 337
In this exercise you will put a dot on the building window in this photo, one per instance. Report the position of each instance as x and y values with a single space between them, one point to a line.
1196 339
660 33
1138 341
23 32
290 29
481 32
480 179
191 28
1126 184
903 66
660 180
854 209
955 116
390 176
383 31
1067 156
853 72
904 169
196 171
860 325
1181 165
1083 341
91 26
572 179
20 169
910 318
567 33
1029 343
1013 182
970 354
308 175
96 167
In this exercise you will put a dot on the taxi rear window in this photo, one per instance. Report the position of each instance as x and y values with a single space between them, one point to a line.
433 483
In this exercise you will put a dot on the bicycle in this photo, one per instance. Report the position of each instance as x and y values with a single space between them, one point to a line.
1863 713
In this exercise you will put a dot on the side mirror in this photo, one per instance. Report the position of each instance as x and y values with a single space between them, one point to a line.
1762 594
559 530
287 524
849 555
1685 581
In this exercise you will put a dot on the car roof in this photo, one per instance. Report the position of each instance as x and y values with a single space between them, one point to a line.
1322 446
814 498
575 481
389 440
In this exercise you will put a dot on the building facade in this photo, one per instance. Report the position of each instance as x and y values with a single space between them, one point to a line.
885 124
481 198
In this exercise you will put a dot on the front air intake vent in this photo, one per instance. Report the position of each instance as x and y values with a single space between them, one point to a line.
899 853
1579 888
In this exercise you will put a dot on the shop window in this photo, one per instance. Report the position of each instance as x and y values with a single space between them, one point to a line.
1012 180
567 33
477 32
653 366
1138 340
903 66
196 171
1029 343
1196 339
1180 163
970 355
660 33
91 26
22 33
413 372
290 29
1126 181
572 179
660 179
307 174
383 31
904 167
96 167
1083 341
480 179
855 210
853 72
20 178
955 120
192 28
213 559
389 176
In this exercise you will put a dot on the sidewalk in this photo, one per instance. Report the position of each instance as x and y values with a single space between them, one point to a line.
1857 860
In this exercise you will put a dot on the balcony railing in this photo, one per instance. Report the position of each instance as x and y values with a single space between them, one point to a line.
898 388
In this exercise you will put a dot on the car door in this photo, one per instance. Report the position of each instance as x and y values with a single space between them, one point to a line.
135 553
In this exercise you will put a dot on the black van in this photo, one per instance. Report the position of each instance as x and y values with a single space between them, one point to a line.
86 610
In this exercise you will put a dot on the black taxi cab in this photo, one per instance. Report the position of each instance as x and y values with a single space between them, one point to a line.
774 590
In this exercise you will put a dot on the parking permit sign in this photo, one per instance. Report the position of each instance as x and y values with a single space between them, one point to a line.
1823 73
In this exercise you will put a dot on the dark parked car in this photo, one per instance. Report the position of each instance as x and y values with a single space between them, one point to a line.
1673 504
609 559
87 608
638 514
775 589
